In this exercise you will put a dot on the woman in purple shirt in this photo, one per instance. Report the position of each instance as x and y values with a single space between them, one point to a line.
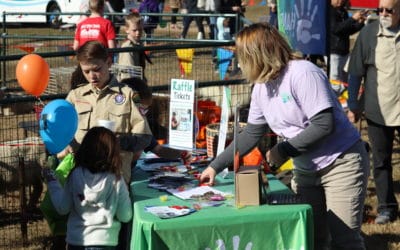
294 97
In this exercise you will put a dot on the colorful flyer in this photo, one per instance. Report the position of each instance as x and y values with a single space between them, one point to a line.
181 134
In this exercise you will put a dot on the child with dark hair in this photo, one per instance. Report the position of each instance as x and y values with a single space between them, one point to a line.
95 195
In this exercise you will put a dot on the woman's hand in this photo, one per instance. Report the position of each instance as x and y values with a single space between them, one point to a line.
208 176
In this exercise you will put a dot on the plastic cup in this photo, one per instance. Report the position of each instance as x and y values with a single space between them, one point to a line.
107 124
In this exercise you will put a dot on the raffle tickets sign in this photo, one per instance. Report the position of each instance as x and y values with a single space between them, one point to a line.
181 113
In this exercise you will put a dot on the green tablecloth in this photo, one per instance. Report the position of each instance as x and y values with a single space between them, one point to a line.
252 227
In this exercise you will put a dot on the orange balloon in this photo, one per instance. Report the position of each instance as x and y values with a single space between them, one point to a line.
33 74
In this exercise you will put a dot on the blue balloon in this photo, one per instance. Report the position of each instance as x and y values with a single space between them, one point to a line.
58 124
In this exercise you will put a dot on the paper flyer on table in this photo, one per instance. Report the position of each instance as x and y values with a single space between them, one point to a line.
181 113
167 212
194 192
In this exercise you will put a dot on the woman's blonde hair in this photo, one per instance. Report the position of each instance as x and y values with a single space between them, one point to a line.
262 52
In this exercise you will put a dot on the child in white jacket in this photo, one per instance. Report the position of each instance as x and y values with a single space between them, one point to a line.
95 195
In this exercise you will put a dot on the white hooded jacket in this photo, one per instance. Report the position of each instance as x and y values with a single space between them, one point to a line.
96 204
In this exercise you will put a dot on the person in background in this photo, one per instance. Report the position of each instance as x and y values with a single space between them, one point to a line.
150 22
161 4
294 98
207 7
191 6
341 27
175 5
374 61
95 27
95 196
273 13
134 30
105 98
226 25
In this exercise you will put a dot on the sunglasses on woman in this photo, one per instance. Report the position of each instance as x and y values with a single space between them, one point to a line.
388 10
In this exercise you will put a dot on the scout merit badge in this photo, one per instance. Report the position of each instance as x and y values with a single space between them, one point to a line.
119 99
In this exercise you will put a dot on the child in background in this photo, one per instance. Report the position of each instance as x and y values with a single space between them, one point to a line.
174 5
134 31
95 27
95 195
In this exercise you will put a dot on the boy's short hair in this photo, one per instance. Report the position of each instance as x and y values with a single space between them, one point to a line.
92 50
133 18
96 5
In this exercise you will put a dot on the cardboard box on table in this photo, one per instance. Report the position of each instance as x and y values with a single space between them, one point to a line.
250 183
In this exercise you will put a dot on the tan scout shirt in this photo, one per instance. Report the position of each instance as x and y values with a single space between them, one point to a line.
376 57
114 102
134 58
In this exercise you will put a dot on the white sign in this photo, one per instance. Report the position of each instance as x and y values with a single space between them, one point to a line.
181 113
223 127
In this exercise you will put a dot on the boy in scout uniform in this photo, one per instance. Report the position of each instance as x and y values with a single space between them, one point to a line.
104 98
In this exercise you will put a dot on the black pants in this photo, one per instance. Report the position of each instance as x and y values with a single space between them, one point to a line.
186 24
381 138
174 18
124 237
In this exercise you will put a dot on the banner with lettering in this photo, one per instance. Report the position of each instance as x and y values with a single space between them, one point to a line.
304 24
181 113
